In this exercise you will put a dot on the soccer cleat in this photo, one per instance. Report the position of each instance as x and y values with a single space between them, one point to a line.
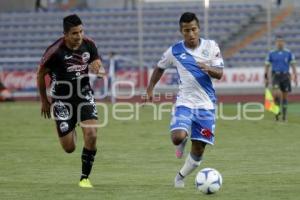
85 183
178 181
284 118
277 116
180 149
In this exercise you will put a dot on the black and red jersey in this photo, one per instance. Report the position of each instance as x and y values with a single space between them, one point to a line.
66 64
69 65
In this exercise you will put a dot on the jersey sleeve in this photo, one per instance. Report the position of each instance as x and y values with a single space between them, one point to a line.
166 59
292 58
48 60
217 59
50 56
268 60
93 52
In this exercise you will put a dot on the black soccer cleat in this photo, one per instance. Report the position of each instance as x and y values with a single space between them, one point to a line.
277 116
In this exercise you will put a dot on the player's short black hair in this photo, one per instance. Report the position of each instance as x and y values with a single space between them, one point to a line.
188 17
71 21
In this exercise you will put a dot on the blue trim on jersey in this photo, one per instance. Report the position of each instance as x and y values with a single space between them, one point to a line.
190 64
280 60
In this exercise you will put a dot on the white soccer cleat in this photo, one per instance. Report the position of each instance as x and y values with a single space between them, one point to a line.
178 181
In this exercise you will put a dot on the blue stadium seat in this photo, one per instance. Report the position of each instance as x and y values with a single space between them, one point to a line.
28 33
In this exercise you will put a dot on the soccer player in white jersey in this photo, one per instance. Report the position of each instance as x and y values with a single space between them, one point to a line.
197 61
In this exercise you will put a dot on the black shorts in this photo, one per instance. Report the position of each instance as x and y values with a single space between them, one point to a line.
282 81
68 112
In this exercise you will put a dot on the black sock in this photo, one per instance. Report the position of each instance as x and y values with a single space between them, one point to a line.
87 159
277 101
284 109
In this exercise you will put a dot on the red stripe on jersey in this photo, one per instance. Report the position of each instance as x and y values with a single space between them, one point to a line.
51 50
88 39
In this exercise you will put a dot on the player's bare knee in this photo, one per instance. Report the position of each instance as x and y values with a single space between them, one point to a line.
178 136
68 142
69 149
91 137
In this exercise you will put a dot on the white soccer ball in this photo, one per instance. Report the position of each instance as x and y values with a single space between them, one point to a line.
208 181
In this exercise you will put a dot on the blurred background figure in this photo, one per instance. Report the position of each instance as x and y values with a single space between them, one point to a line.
278 2
5 94
280 60
41 5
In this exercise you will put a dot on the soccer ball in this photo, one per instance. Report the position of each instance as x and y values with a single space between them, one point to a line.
208 181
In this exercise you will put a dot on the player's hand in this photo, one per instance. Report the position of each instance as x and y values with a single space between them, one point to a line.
96 68
101 72
204 67
296 81
294 78
45 110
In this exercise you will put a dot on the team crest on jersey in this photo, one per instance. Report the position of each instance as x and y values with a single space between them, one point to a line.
64 126
205 53
85 57
183 56
206 133
61 111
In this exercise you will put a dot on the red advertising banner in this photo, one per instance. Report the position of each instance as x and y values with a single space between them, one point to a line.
19 80
232 78
24 82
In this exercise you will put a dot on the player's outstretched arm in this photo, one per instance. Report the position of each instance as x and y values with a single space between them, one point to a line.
214 72
156 75
45 110
97 68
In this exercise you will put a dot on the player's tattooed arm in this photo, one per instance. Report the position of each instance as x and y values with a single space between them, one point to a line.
214 72
97 68
45 109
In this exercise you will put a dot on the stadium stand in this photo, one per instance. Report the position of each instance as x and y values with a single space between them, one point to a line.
254 54
25 35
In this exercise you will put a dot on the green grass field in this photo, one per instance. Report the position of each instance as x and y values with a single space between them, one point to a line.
259 160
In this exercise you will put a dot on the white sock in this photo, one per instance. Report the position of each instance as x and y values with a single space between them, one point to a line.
189 166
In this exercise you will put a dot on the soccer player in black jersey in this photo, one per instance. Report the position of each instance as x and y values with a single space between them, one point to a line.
68 62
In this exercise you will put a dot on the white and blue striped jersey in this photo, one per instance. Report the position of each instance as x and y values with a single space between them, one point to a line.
195 86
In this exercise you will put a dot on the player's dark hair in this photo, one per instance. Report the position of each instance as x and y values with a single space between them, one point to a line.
71 21
187 17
